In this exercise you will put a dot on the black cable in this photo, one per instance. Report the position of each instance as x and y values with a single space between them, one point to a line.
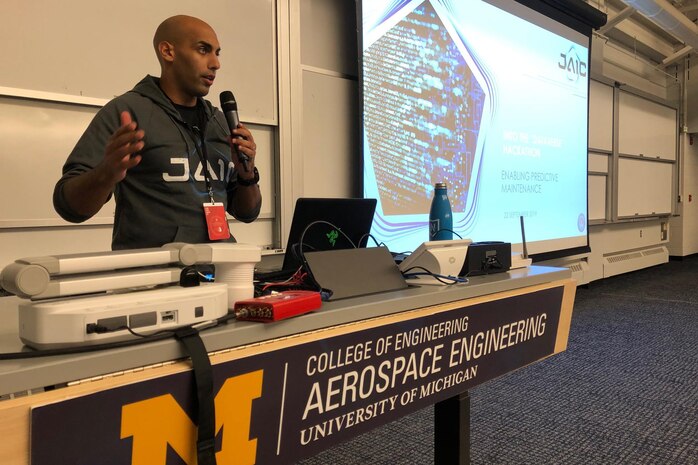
296 251
80 349
449 230
302 253
369 235
329 224
443 279
157 336
128 328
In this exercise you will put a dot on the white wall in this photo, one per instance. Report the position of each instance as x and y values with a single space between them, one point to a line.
40 124
329 96
315 144
684 227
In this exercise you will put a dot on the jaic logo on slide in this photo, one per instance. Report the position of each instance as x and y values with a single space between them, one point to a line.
573 65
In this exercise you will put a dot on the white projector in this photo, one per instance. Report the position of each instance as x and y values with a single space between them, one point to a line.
84 299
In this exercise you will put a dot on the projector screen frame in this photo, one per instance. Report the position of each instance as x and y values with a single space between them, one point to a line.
575 15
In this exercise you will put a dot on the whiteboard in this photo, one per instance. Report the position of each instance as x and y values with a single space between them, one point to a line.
598 162
328 36
35 140
646 128
329 145
600 116
101 49
597 197
644 187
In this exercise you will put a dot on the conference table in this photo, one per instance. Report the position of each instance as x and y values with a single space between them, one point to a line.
290 389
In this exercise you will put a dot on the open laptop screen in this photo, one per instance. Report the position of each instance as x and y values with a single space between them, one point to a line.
334 224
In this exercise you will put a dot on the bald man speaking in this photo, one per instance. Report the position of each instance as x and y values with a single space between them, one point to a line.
165 153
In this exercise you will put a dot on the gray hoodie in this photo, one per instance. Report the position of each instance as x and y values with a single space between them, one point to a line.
161 198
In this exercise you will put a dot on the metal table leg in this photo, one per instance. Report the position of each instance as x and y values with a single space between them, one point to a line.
452 431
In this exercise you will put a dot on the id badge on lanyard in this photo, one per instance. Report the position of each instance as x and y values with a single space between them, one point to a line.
216 221
214 212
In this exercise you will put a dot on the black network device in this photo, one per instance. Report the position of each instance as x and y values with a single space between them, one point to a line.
487 258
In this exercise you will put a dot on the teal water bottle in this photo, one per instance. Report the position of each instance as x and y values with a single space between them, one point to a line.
440 217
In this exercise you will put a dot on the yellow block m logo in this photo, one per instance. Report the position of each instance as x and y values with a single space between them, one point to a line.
155 423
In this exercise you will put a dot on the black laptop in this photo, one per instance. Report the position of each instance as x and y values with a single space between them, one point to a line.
325 224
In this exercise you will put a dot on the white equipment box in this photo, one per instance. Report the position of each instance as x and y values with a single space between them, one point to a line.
87 299
97 319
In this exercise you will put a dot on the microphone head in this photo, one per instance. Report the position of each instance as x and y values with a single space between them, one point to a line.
228 102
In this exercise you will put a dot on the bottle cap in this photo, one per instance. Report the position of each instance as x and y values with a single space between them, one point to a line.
440 185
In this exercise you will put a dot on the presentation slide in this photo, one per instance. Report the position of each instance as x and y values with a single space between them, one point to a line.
490 98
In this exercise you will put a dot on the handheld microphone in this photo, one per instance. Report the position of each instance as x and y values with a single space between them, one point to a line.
230 110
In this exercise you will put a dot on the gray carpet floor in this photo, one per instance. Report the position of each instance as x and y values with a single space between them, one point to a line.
624 392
